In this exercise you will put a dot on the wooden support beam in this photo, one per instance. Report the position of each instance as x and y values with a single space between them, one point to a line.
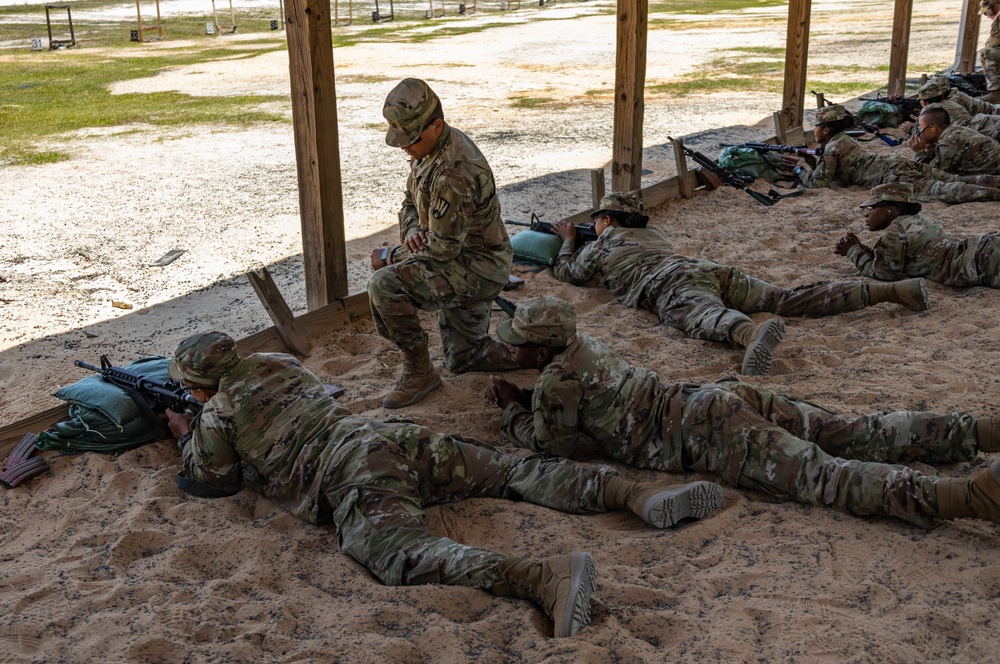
680 159
597 186
968 37
820 100
796 55
317 152
312 325
900 48
279 311
780 132
630 81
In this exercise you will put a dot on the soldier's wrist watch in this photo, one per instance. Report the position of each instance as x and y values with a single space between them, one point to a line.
182 441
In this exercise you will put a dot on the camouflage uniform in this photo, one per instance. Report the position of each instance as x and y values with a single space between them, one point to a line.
753 438
963 151
974 105
450 195
989 57
372 479
846 162
914 246
704 299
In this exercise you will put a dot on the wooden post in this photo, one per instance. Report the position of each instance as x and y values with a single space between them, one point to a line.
968 34
796 54
780 130
820 100
280 313
317 152
630 80
900 47
597 186
682 168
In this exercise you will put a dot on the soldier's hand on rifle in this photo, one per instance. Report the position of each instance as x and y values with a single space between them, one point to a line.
565 230
503 393
179 423
416 241
845 243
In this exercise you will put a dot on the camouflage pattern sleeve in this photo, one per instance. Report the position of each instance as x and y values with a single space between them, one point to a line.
409 218
994 39
887 260
451 210
826 168
974 105
553 425
580 268
209 457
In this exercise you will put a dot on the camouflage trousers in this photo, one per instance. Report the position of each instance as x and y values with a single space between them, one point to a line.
379 492
398 290
989 57
988 261
933 184
707 300
792 449
986 124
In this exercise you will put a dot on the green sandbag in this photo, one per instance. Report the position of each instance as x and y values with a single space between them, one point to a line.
536 247
881 114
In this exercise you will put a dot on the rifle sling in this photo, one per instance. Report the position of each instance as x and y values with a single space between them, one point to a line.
145 409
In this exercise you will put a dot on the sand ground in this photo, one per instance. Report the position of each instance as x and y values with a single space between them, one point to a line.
105 559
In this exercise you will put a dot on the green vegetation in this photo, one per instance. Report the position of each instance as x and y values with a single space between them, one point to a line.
530 102
41 97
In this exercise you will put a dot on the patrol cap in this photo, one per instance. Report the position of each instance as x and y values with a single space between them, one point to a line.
830 113
618 202
547 321
936 87
407 109
204 358
894 192
987 5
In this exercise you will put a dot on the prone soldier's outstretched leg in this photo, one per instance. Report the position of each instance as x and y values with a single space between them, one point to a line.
893 437
379 492
724 433
465 337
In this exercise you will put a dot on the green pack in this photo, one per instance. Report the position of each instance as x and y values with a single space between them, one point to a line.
763 165
881 113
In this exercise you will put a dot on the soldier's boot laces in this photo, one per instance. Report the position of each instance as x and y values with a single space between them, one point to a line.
911 293
760 342
988 434
662 507
561 586
978 498
418 380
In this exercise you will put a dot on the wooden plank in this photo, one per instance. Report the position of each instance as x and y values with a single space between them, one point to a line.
312 324
682 168
280 313
630 81
317 153
968 36
597 186
779 127
900 48
796 55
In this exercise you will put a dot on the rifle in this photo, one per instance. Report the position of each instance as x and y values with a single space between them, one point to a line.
730 177
784 149
584 234
867 126
910 105
148 393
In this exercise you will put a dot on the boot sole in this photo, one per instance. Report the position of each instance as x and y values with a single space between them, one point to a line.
759 356
386 403
583 581
691 501
920 303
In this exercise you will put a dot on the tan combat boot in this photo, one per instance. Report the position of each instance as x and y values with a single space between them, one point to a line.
760 342
911 293
662 507
561 586
978 498
988 434
418 380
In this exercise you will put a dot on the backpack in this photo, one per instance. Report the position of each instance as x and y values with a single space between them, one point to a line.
748 161
881 113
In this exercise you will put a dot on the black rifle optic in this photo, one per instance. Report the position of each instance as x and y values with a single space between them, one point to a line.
784 149
867 126
731 177
157 395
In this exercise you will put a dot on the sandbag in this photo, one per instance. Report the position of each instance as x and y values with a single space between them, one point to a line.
536 247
